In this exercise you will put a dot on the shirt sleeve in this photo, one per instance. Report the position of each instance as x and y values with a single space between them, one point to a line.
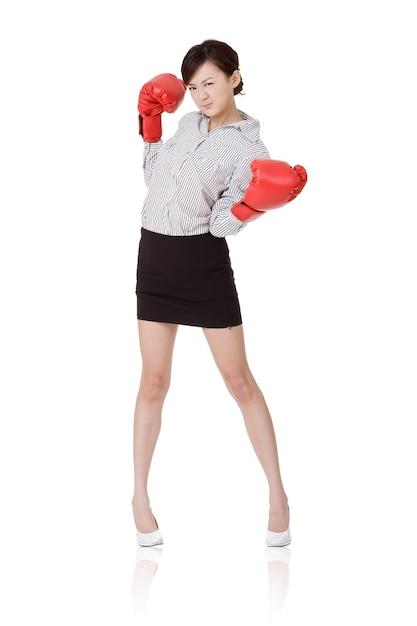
150 152
222 222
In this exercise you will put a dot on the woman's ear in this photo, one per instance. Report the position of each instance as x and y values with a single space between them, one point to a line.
236 78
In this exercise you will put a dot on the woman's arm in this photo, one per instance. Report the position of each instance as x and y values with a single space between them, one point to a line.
222 222
150 152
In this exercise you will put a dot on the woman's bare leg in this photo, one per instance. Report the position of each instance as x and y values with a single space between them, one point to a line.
228 348
156 342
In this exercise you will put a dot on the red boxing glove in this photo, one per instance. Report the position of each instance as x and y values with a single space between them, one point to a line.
274 183
165 92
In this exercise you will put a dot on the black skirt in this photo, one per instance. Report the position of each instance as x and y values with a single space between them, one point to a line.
186 280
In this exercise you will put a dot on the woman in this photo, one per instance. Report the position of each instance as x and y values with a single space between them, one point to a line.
196 181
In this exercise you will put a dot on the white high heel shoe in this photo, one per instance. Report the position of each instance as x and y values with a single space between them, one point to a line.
278 540
147 540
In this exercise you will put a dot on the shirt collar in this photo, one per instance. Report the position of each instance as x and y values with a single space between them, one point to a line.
249 126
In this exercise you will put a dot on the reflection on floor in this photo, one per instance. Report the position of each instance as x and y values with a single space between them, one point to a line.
148 559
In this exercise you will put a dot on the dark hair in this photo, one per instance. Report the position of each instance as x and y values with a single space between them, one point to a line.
218 52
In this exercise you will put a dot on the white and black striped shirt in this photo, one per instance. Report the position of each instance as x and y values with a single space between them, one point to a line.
197 176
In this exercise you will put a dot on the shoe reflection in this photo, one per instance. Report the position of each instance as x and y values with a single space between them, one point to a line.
277 560
147 561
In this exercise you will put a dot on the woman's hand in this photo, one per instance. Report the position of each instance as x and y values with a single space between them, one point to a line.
274 183
164 92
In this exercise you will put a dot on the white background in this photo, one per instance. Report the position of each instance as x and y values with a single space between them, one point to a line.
328 293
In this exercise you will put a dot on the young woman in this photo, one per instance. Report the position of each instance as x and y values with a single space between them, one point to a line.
204 184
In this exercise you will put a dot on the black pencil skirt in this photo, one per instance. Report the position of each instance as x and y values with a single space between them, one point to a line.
186 280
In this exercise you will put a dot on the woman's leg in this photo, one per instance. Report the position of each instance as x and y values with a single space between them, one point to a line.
228 348
156 342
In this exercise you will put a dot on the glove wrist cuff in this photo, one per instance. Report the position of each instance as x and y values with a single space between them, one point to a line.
244 213
150 128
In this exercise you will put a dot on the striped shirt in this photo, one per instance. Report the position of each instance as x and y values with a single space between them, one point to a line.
197 176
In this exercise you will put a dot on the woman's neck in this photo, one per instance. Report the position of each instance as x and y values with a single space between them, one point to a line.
228 118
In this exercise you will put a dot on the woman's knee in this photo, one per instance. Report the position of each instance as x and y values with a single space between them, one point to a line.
242 387
153 387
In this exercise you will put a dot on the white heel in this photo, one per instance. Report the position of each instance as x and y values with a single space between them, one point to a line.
278 540
147 540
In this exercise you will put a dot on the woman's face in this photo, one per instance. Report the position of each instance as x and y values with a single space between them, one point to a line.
213 91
